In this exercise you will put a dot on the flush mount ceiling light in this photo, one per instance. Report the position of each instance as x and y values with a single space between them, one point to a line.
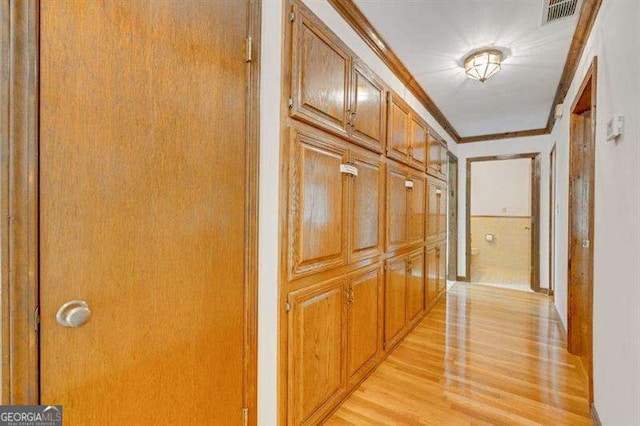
483 64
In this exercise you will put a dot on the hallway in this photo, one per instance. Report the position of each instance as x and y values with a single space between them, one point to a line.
483 355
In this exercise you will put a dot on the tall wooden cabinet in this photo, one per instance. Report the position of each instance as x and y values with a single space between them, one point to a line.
364 220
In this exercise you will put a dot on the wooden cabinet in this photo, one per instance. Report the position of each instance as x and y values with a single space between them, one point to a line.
438 157
395 295
441 194
442 268
415 284
368 109
320 75
317 203
366 206
418 148
364 321
333 89
317 373
417 205
432 262
397 208
397 128
436 210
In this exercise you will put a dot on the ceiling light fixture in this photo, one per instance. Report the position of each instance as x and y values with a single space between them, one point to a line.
483 64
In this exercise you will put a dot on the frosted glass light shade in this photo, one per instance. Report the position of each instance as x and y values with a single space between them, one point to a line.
483 65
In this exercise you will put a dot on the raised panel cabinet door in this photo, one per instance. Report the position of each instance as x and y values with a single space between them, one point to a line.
441 194
395 311
317 203
417 206
317 375
366 206
397 128
397 207
364 314
442 268
418 138
433 167
432 275
415 284
320 75
444 161
368 109
433 209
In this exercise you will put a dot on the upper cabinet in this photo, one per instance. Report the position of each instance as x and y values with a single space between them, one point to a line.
398 128
368 108
436 210
331 88
438 157
418 149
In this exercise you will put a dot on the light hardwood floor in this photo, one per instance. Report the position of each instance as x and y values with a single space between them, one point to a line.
482 356
501 275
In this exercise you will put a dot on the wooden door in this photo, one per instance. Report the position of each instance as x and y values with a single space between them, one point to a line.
364 321
143 210
320 74
441 195
417 206
418 139
432 275
397 128
552 220
366 206
433 210
317 341
397 205
581 225
395 299
368 109
415 284
433 167
317 203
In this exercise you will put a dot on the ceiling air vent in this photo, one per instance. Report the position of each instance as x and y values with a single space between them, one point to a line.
555 10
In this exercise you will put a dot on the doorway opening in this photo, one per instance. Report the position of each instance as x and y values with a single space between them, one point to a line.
503 237
452 236
581 224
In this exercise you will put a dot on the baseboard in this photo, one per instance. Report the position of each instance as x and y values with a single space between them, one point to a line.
594 416
461 278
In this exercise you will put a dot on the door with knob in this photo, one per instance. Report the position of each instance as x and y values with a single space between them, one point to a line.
143 211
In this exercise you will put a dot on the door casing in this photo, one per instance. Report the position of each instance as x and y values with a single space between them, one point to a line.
19 202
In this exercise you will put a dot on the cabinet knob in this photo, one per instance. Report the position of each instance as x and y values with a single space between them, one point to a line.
73 313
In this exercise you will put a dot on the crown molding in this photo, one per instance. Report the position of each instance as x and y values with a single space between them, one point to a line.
505 135
588 13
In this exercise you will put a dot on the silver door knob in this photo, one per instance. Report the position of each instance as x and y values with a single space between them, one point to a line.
73 313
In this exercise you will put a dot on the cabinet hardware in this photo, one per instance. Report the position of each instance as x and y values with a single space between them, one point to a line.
349 115
290 103
36 319
353 118
292 17
349 170
408 184
249 50
287 307
586 244
245 416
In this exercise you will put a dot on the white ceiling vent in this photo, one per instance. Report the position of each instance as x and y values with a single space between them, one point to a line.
555 10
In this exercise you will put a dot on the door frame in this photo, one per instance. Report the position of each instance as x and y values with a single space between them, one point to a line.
452 234
553 159
535 213
589 83
19 204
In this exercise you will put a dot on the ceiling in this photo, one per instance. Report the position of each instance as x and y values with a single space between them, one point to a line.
432 36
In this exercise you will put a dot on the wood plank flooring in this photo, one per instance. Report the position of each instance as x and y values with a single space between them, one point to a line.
483 356
500 275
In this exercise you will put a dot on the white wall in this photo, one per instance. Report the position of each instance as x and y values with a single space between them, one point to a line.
532 144
615 40
501 188
268 244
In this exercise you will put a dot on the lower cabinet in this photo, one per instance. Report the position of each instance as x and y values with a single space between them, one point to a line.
404 293
432 275
334 340
442 268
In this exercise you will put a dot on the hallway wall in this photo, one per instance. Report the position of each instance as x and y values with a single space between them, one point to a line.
532 144
615 39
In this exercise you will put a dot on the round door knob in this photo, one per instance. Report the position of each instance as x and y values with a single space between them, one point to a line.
73 313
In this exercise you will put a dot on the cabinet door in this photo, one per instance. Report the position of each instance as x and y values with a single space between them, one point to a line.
417 206
364 326
368 107
442 268
433 209
317 374
432 275
418 138
444 161
395 299
398 129
415 284
441 194
434 155
320 76
366 206
397 232
317 203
